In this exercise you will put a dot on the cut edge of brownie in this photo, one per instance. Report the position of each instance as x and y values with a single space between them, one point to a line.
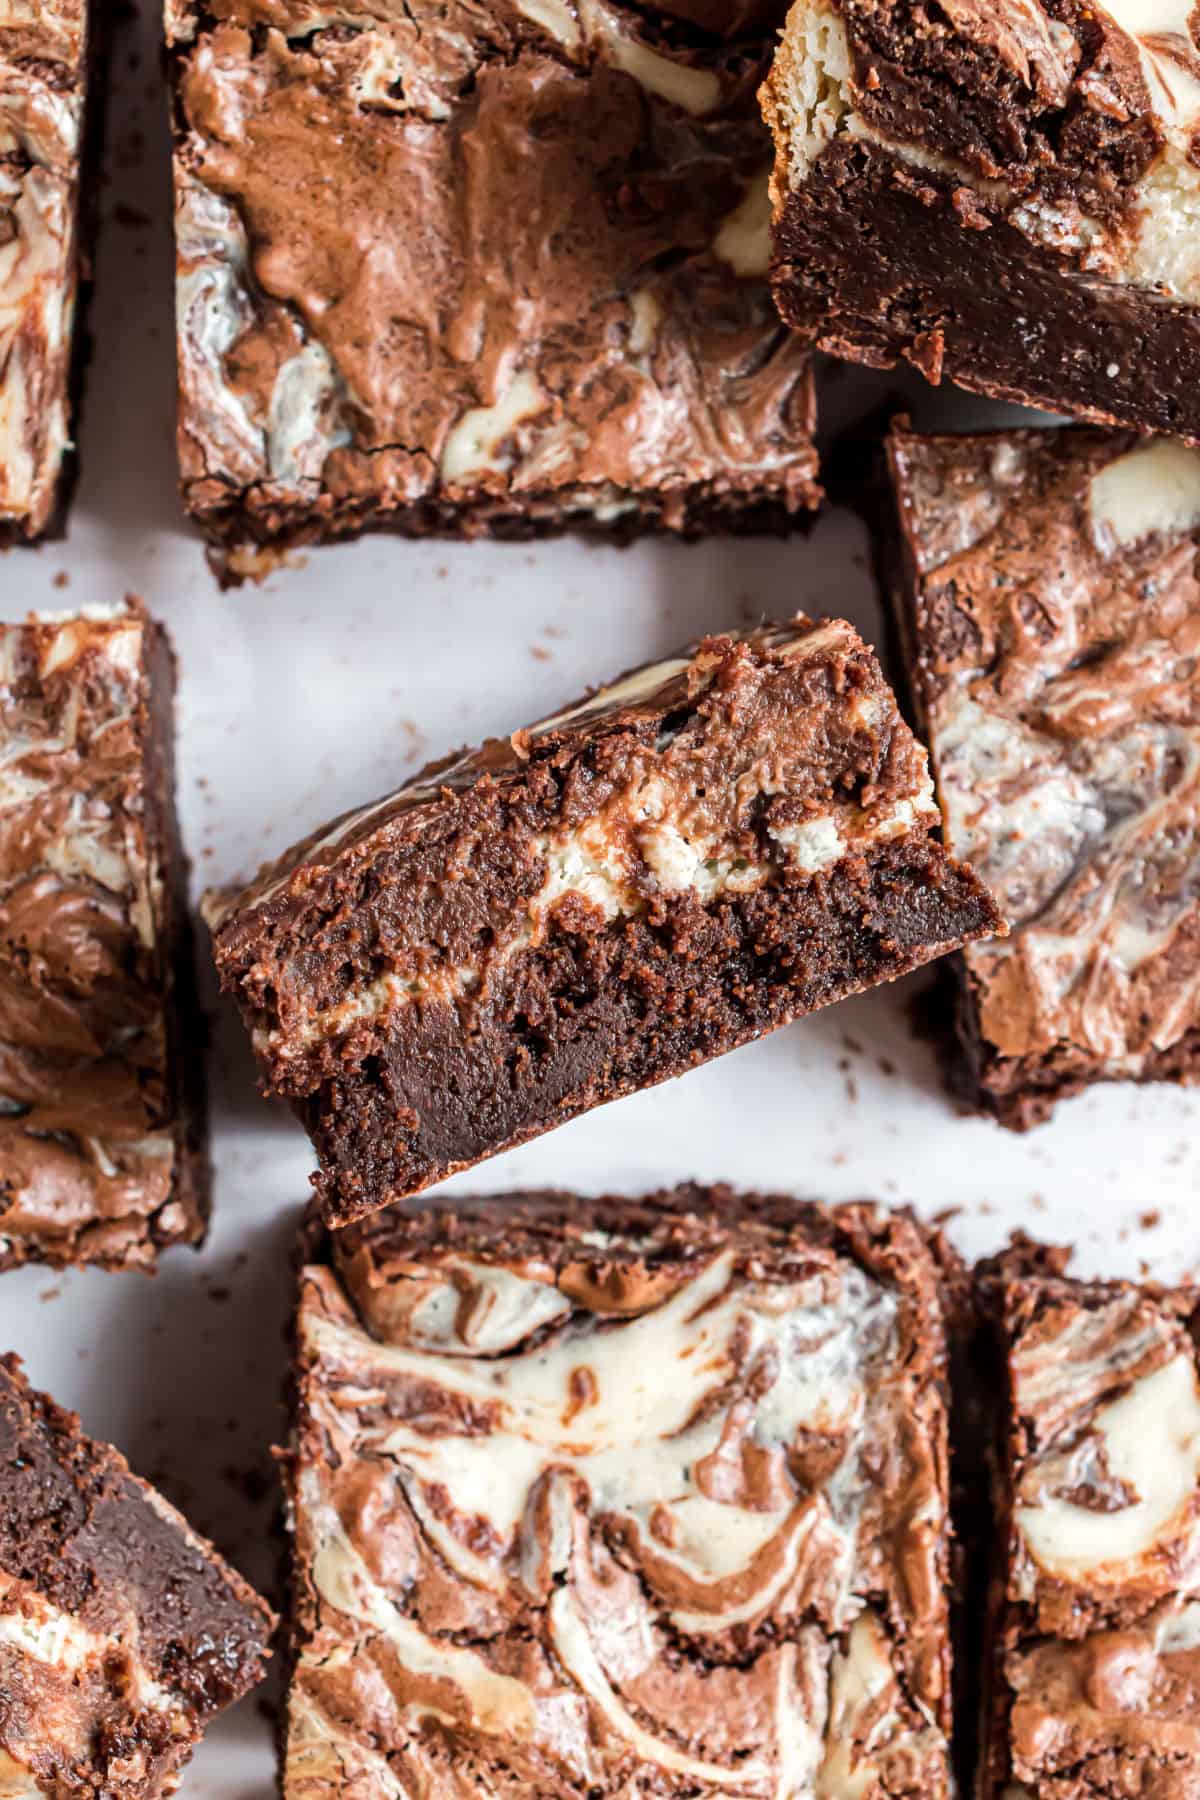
98 1545
187 1026
870 245
647 993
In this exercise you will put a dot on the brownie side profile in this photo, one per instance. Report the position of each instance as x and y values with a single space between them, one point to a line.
1094 1656
47 53
122 1633
706 849
613 1497
102 1139
1004 194
1045 583
479 268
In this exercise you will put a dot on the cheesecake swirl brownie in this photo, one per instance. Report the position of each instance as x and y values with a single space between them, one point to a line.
464 267
47 50
1046 586
1095 1661
1001 191
101 1098
688 858
122 1633
615 1498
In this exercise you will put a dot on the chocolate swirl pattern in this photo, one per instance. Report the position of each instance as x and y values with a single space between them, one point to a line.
1096 1609
96 1157
442 262
606 1500
1058 619
43 56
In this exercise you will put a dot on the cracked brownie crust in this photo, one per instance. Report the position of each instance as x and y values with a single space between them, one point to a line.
122 1633
611 1497
1046 589
1003 193
478 268
693 856
1095 1613
101 1099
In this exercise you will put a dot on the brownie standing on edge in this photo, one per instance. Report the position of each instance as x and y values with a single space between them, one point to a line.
101 1055
478 267
1046 589
1095 1615
122 1633
706 849
1003 191
46 50
614 1497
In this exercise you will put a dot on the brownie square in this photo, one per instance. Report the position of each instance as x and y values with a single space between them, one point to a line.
101 1051
621 1497
122 1633
1095 1617
704 850
1003 194
1045 587
478 268
48 113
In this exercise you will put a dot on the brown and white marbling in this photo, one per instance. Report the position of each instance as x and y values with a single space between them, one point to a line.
444 256
43 64
1057 638
617 1503
1097 1594
95 1162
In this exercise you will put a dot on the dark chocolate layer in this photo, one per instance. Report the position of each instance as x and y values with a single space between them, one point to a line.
121 1632
1000 193
689 858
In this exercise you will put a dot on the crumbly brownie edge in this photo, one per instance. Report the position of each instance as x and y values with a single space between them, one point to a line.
652 1011
187 1027
1085 353
67 1525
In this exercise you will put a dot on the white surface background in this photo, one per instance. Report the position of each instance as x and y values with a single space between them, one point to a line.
325 687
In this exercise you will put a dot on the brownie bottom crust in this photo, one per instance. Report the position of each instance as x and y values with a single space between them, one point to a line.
871 261
595 1015
243 527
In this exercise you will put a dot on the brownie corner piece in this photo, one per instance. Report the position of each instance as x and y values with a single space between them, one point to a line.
706 849
50 63
1044 587
1094 1621
479 269
999 194
595 1497
102 1120
122 1632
